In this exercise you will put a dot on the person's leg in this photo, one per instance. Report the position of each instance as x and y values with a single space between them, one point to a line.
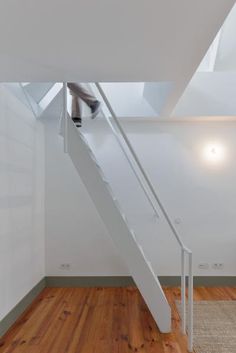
75 111
82 93
90 100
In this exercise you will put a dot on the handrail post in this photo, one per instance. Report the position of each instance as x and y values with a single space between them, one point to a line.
183 292
65 117
190 303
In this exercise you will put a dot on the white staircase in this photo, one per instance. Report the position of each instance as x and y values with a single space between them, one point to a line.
116 223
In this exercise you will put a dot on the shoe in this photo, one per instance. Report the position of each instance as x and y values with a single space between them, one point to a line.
95 109
77 121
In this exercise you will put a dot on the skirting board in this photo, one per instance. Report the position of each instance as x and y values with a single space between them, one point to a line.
90 281
15 313
124 281
102 281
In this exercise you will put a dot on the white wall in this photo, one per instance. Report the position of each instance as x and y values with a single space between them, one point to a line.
201 194
127 99
156 94
21 201
198 194
208 94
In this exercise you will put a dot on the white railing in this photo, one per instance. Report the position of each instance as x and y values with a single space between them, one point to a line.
118 131
65 116
152 196
184 252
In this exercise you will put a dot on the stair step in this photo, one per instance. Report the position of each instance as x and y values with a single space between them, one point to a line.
133 234
95 160
83 138
141 249
124 217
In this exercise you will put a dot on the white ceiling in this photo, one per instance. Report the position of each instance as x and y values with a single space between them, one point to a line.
106 40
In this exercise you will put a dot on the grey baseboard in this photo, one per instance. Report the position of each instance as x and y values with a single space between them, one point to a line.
14 314
124 281
90 281
215 281
200 281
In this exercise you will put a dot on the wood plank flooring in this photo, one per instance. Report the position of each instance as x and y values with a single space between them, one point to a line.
101 320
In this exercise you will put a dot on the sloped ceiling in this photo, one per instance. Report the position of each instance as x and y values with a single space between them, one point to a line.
106 40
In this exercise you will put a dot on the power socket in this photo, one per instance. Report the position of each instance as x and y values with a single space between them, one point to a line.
218 265
65 267
203 266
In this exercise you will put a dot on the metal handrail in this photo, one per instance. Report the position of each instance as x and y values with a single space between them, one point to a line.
64 90
184 249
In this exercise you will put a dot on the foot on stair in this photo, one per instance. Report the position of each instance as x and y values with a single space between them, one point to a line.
77 121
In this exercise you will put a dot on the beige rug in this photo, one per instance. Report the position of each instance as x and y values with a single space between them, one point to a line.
214 326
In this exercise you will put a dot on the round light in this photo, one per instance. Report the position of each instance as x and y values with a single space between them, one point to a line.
214 152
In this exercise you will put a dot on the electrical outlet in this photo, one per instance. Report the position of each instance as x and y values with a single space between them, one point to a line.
218 266
65 267
203 266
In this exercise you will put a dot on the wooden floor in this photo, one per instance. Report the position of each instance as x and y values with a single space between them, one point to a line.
101 320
